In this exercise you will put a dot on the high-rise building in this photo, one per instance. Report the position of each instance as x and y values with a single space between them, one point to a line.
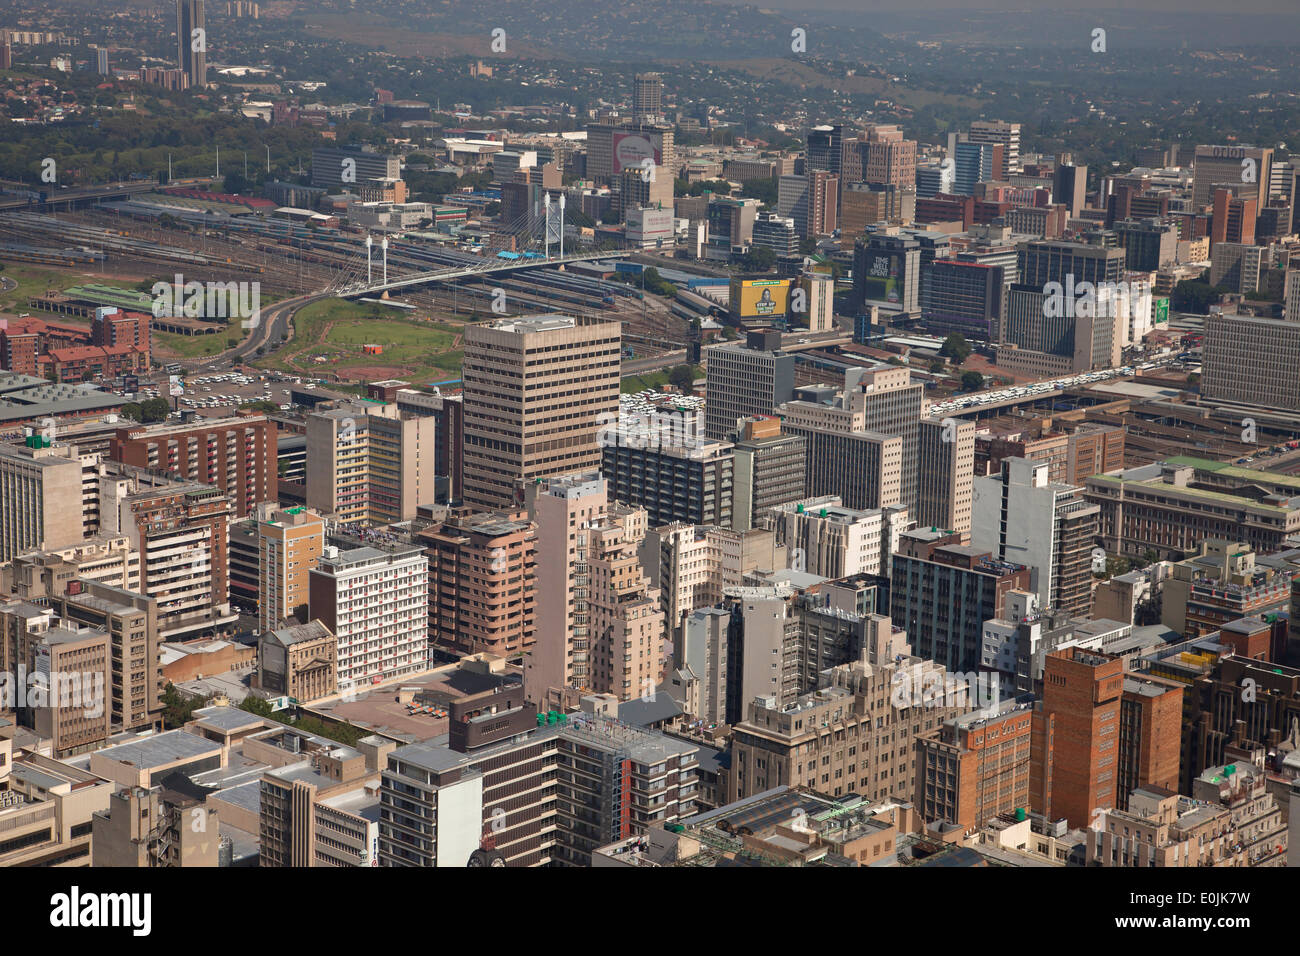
612 148
1233 218
822 537
370 464
238 455
600 625
1239 268
1097 729
1021 517
1245 168
746 380
1007 135
882 401
288 546
448 413
976 766
1149 244
647 98
822 204
975 163
535 390
101 60
945 474
870 753
776 232
865 204
887 266
690 481
192 42
945 591
343 167
376 603
770 469
1070 186
40 497
693 564
963 297
482 584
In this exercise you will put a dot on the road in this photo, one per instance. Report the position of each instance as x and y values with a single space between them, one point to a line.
273 327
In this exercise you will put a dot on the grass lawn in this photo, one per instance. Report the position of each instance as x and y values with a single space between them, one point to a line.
337 329
37 280
637 383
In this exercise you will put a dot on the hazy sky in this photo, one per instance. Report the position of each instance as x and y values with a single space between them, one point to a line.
1067 6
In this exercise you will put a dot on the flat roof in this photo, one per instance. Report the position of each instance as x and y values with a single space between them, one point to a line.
164 748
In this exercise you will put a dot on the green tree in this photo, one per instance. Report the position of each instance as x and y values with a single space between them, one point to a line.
256 705
176 708
758 259
956 348
971 381
132 410
937 366
154 410
683 376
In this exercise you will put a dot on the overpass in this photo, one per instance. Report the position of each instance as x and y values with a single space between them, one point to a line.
53 197
488 267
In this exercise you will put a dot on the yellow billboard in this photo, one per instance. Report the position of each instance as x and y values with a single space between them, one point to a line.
759 298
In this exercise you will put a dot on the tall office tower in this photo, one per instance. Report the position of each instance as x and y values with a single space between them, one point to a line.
482 584
884 157
101 60
647 98
1041 261
561 656
819 293
136 679
370 464
792 200
181 530
823 537
746 380
1239 268
77 663
1007 135
975 163
865 204
612 148
1291 296
1097 731
635 190
689 481
731 226
882 400
1246 168
932 179
338 167
1149 244
1074 775
448 413
376 602
945 474
288 546
945 591
536 389
776 232
887 266
631 649
965 297
237 455
824 148
770 469
1251 360
822 203
599 622
1019 516
692 564
974 767
1233 217
191 46
786 743
40 497
1070 187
